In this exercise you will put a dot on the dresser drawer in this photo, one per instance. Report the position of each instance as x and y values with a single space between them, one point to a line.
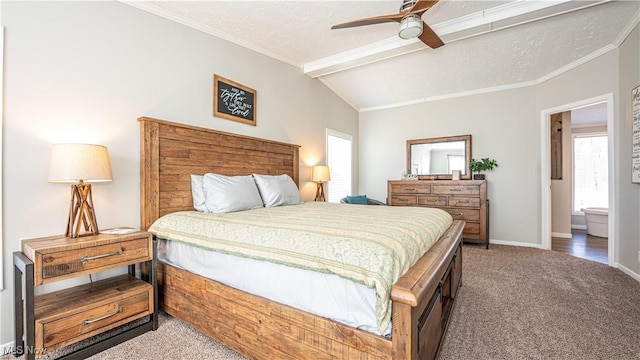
460 201
432 200
406 200
90 309
411 188
463 214
67 263
456 189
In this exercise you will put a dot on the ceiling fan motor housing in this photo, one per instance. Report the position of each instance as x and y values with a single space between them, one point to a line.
407 4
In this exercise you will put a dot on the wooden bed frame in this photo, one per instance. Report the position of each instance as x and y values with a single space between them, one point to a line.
259 328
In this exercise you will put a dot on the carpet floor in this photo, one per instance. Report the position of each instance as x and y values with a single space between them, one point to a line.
515 303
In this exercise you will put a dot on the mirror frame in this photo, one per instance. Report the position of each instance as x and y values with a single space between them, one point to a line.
467 155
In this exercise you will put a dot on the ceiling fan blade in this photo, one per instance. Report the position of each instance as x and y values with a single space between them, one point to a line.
421 6
370 21
429 37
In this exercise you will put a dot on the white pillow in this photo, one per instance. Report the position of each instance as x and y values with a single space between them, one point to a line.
230 193
197 192
277 190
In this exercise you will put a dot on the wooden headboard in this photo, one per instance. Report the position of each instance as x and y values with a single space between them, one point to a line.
171 152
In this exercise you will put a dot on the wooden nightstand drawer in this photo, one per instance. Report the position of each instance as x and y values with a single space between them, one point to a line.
57 258
80 312
93 258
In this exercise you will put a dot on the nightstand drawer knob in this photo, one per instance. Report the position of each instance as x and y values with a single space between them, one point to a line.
87 322
87 258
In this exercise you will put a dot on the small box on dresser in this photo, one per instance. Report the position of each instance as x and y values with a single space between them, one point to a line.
60 318
463 199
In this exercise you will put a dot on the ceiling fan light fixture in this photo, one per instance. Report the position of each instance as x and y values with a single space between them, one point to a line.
410 27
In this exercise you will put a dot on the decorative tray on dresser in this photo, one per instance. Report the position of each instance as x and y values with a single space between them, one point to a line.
463 199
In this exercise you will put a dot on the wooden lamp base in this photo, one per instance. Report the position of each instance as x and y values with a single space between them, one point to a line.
320 192
81 212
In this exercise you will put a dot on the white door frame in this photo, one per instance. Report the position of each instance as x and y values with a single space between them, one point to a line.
545 164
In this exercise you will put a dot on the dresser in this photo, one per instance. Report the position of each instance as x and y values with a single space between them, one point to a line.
60 318
463 199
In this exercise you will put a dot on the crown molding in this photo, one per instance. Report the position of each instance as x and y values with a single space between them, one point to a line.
627 29
538 81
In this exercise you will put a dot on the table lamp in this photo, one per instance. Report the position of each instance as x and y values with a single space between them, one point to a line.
320 175
80 165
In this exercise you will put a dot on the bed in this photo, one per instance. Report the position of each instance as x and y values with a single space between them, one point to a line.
422 299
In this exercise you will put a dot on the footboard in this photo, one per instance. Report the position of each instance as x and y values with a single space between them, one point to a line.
423 298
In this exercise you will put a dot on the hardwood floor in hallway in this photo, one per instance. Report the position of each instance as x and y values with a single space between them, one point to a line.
583 246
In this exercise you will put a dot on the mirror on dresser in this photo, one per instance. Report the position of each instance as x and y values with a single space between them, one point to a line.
437 158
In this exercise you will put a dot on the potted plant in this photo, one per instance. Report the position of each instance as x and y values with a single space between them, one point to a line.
478 166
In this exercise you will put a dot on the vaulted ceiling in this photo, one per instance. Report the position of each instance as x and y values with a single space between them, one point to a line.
488 44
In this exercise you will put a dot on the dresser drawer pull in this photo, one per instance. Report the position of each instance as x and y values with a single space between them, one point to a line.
462 201
87 322
410 189
455 189
87 258
456 214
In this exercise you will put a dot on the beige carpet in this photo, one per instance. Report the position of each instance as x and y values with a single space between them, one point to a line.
524 303
515 303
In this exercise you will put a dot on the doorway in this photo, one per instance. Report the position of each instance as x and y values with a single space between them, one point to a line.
546 182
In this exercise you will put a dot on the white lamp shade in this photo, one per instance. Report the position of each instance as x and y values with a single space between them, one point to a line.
320 173
71 163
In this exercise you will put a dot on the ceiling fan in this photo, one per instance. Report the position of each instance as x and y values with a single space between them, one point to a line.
410 19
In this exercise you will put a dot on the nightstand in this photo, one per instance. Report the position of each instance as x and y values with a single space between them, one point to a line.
61 318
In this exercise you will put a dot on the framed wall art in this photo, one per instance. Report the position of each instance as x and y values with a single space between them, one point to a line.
635 155
233 101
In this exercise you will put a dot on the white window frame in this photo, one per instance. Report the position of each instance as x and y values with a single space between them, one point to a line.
573 168
338 134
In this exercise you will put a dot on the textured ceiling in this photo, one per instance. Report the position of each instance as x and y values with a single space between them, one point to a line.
299 33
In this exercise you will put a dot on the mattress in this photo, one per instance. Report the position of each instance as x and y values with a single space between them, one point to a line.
322 294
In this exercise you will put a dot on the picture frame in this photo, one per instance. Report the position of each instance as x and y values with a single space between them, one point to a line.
635 151
234 101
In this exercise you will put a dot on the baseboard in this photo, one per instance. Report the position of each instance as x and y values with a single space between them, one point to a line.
629 272
579 227
513 243
561 235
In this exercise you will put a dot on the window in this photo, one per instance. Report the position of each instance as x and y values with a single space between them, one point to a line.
590 171
339 162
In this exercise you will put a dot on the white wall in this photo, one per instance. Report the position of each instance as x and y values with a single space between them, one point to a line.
505 125
628 197
85 71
